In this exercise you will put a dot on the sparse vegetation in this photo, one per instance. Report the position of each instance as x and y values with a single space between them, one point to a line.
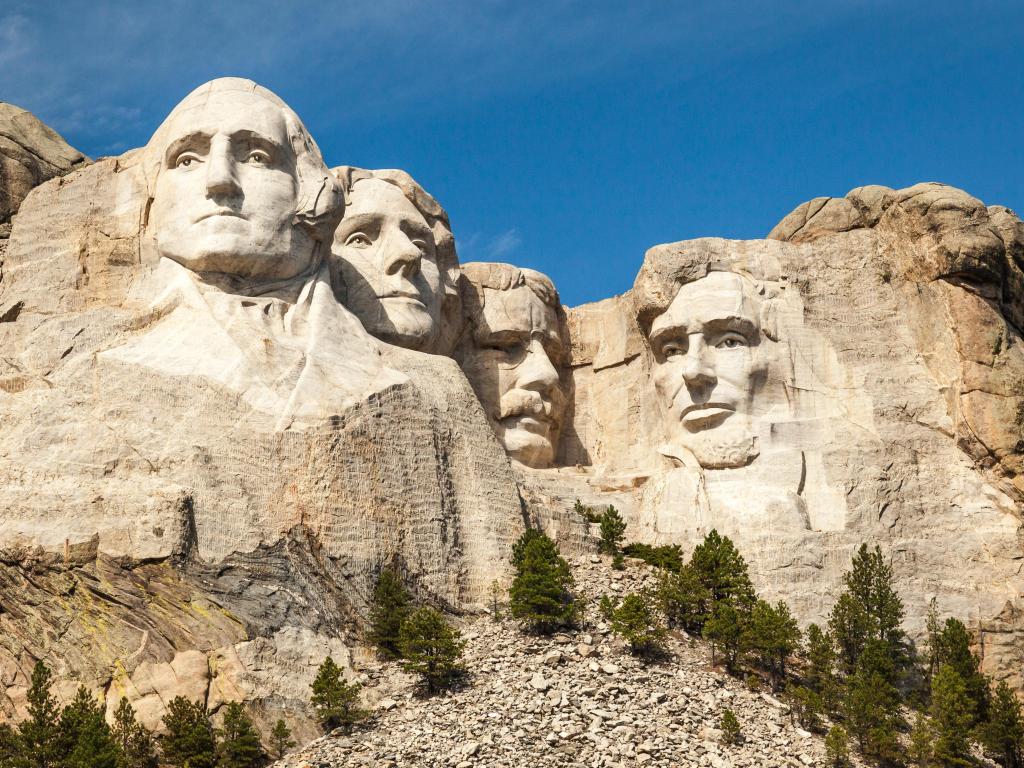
431 648
336 701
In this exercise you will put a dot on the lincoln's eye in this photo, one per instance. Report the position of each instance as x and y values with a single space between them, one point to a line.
672 349
358 240
732 341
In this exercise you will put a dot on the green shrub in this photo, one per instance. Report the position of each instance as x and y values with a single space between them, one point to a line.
668 557
730 727
837 748
613 528
636 621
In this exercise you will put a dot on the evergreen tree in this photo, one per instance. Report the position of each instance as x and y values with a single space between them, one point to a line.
10 747
134 741
683 599
38 741
837 748
871 703
613 528
189 740
1003 734
772 634
432 648
637 623
922 743
807 706
239 745
869 611
541 595
952 716
722 570
281 739
820 673
668 557
84 737
730 727
724 630
336 701
933 630
952 646
390 606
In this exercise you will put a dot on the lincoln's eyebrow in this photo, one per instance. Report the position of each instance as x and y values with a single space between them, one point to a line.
670 329
730 322
196 139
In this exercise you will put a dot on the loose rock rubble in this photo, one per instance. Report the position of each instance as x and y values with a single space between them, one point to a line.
574 699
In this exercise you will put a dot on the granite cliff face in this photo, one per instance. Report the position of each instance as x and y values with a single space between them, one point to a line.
236 384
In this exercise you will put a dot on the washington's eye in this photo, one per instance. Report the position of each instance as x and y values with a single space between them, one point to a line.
358 240
186 160
732 341
258 157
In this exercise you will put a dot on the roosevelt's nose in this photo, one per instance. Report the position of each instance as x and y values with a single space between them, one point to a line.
221 172
697 370
402 255
537 372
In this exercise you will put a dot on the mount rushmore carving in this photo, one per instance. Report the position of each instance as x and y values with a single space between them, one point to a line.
260 380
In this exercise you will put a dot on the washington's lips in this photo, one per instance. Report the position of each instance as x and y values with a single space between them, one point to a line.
701 415
226 212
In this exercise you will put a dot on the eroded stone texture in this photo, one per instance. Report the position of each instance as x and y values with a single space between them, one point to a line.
30 153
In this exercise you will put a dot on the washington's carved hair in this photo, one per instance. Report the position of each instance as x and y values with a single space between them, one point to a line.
321 201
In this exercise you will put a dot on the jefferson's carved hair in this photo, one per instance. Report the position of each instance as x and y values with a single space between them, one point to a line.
321 201
478 275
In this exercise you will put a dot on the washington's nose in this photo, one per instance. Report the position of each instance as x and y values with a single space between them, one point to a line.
403 256
697 370
537 372
221 177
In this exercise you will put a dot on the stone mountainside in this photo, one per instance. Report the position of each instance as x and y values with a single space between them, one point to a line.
569 700
236 384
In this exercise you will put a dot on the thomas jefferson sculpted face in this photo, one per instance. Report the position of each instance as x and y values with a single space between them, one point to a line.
388 258
707 368
512 354
227 188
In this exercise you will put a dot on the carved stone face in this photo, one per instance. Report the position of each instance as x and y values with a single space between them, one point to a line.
226 194
388 261
513 364
706 369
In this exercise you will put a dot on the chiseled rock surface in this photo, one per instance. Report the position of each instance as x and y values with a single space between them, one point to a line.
576 699
30 153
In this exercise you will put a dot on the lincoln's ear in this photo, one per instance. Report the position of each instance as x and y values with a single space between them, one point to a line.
770 320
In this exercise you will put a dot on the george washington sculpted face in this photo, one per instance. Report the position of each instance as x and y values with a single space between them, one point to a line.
227 188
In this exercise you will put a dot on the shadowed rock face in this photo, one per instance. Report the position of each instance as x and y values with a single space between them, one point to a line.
30 153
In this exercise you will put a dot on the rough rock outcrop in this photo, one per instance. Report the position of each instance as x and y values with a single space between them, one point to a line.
30 153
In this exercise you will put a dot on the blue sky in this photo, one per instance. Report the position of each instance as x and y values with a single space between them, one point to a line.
569 136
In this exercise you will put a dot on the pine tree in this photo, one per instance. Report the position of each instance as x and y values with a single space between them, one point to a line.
239 745
724 630
773 635
85 739
189 740
820 673
135 742
869 610
952 716
837 748
722 570
431 648
730 727
336 701
1003 734
389 607
281 739
683 599
38 740
541 594
871 703
10 746
613 528
922 743
807 706
637 623
933 630
952 646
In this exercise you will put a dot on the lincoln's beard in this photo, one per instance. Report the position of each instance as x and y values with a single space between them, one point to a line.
729 445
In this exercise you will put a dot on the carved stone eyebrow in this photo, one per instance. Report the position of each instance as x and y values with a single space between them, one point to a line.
198 140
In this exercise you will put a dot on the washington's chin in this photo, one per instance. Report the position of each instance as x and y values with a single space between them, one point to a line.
236 254
530 448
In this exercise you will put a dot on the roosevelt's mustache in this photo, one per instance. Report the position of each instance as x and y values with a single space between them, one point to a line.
527 402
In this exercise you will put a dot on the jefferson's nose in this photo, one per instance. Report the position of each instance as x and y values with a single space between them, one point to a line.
403 255
537 372
697 370
221 176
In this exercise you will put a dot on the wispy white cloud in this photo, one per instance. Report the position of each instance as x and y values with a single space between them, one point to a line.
504 244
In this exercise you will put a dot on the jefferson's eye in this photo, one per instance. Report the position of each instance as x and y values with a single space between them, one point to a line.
358 240
186 160
732 341
258 157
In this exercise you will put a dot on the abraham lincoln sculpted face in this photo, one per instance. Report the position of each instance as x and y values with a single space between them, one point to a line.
707 369
229 163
